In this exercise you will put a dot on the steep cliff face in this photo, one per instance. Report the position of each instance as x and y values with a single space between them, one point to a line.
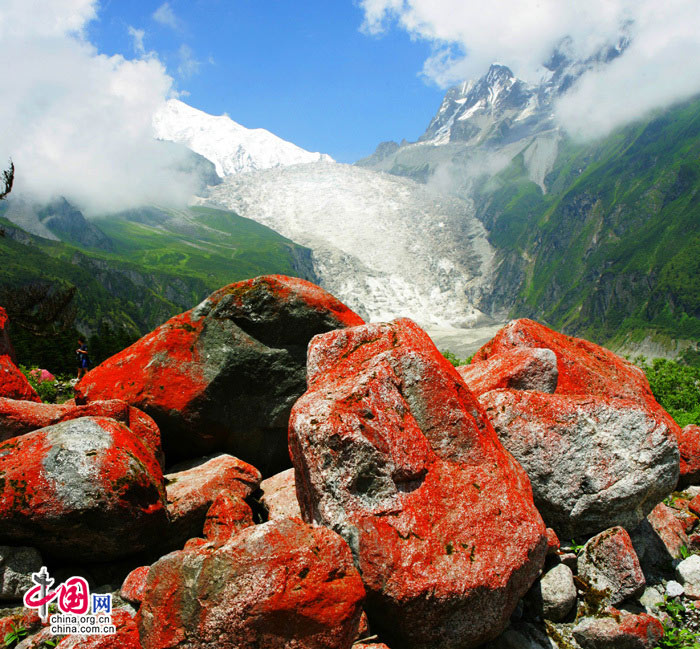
611 250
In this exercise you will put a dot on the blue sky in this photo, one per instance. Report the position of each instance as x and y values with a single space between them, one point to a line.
303 70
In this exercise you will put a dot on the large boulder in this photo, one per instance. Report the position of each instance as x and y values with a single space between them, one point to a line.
594 462
224 375
85 490
22 417
393 452
282 584
583 367
519 369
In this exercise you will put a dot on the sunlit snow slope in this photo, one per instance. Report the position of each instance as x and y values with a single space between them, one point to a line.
386 246
230 146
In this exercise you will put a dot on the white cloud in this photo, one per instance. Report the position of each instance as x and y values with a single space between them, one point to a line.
78 123
166 16
661 66
188 65
137 36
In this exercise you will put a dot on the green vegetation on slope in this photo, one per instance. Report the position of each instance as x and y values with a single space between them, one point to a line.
613 248
676 387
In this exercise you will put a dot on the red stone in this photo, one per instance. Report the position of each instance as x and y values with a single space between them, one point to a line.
278 585
518 369
192 492
694 505
134 585
553 543
669 528
224 375
392 450
13 384
86 489
584 367
22 417
27 619
6 348
126 637
689 447
228 515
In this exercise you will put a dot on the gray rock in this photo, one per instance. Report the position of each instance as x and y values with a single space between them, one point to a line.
688 574
280 495
609 563
650 599
554 595
16 567
674 589
594 462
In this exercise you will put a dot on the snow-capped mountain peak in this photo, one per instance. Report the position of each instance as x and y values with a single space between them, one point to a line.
231 147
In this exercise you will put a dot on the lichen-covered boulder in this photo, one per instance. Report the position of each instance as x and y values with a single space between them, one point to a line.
393 452
227 516
594 462
582 366
192 492
85 490
22 417
518 369
224 375
282 584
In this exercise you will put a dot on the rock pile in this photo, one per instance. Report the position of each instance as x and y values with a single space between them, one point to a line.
427 507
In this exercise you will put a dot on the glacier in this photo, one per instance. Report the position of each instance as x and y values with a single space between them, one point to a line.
387 246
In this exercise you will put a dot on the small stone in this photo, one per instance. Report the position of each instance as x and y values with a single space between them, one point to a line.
674 589
134 585
650 599
688 574
554 595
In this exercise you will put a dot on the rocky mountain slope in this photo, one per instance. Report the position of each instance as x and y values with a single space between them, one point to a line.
387 246
611 249
231 147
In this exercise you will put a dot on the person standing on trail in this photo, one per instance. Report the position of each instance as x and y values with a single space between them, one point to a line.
82 358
